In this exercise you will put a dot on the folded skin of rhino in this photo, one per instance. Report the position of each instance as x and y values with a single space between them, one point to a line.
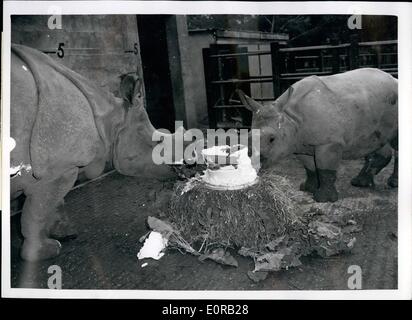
325 119
63 124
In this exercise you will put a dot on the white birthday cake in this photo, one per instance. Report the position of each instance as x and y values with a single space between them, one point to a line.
228 167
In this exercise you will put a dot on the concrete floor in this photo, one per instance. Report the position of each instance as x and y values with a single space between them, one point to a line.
110 216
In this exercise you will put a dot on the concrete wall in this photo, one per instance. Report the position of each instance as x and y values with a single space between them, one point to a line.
191 59
94 45
185 53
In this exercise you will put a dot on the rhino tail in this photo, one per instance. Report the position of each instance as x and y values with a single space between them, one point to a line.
36 159
61 134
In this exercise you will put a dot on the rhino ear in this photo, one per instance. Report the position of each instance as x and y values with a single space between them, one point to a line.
248 102
279 104
128 86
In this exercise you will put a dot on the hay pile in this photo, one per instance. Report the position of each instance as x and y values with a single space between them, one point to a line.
262 221
249 217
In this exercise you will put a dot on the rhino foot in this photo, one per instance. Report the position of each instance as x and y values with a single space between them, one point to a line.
325 195
327 191
63 231
311 184
305 186
40 250
393 182
363 181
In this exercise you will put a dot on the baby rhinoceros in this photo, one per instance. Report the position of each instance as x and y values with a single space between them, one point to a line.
325 119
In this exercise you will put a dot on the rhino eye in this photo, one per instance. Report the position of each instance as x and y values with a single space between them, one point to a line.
271 139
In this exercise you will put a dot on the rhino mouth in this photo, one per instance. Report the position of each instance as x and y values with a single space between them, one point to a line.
265 162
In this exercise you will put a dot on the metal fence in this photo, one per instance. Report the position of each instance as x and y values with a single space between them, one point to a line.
226 69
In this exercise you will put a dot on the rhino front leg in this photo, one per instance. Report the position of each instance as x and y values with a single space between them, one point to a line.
374 163
311 184
43 199
327 159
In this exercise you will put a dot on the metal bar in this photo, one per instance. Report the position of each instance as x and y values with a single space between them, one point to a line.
306 57
378 43
230 81
230 124
366 54
315 47
344 45
92 180
250 53
387 67
305 73
229 106
260 77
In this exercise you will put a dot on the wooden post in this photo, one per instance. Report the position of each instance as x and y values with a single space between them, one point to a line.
174 53
276 65
354 52
210 69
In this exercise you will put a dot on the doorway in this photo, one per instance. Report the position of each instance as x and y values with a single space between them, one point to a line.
156 70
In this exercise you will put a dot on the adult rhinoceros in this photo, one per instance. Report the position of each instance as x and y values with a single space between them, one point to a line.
325 119
63 125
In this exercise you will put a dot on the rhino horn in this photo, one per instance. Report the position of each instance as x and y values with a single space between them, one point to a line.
248 102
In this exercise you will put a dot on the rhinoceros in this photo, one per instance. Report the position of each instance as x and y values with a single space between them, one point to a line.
64 125
324 119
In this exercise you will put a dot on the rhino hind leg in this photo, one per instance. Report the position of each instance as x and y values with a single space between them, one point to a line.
40 207
374 163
